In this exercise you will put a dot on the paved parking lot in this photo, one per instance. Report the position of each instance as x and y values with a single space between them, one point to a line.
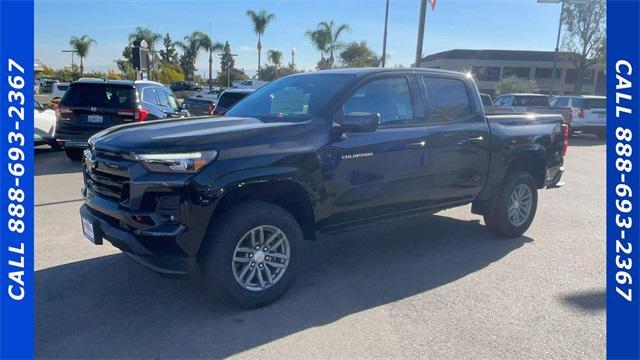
436 287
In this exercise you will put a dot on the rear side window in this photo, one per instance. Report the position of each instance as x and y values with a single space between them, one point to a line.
229 99
530 101
100 95
149 95
389 98
447 98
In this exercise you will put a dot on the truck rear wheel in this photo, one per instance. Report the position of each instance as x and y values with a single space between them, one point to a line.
514 207
251 256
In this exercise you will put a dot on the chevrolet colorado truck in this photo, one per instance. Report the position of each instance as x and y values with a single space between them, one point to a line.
233 197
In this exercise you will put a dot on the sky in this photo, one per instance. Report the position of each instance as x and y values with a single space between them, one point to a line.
455 24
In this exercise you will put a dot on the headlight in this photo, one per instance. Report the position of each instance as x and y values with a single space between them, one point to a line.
178 162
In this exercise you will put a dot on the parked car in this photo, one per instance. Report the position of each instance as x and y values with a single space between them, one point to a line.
530 103
202 103
489 109
57 92
325 152
228 98
249 84
44 125
588 113
93 105
184 89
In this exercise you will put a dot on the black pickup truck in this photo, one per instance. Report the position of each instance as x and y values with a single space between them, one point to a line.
324 152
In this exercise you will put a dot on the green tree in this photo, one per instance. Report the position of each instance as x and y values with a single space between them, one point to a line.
169 54
359 55
169 73
227 63
70 73
81 45
330 33
151 38
191 46
586 35
260 21
125 65
271 72
514 84
320 40
275 57
210 46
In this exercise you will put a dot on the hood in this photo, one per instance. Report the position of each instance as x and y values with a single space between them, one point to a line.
185 134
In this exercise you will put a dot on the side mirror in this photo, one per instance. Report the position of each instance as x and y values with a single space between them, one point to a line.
357 122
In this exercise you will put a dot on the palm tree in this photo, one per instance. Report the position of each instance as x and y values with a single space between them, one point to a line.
81 46
151 38
275 57
333 32
190 46
320 40
208 45
260 22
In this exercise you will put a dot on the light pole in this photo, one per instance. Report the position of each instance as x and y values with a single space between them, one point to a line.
293 58
423 13
228 68
72 52
384 38
557 49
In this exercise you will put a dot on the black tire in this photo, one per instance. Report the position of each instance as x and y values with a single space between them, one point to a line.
74 154
55 146
497 220
226 232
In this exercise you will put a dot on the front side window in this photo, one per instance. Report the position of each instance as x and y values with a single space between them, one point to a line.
448 99
173 102
389 98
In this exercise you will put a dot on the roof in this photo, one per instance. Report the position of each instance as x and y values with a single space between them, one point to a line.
513 55
234 90
114 82
372 70
524 94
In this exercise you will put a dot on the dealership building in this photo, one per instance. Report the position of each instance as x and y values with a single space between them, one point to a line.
490 66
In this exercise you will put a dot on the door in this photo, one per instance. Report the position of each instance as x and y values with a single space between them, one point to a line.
167 105
458 144
371 174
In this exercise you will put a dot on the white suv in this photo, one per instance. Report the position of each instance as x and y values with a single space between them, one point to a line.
589 113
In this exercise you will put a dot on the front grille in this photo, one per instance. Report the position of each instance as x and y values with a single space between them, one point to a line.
105 177
110 186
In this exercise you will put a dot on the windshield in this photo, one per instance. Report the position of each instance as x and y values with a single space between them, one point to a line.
293 98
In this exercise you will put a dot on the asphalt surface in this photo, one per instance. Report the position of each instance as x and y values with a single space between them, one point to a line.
439 287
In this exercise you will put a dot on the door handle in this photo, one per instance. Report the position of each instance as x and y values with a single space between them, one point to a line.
473 140
418 145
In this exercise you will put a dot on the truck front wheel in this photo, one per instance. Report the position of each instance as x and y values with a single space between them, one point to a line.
514 207
251 256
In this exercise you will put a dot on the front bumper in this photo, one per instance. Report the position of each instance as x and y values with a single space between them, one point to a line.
160 220
137 245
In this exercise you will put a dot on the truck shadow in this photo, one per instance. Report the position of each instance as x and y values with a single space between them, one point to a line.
48 161
109 307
